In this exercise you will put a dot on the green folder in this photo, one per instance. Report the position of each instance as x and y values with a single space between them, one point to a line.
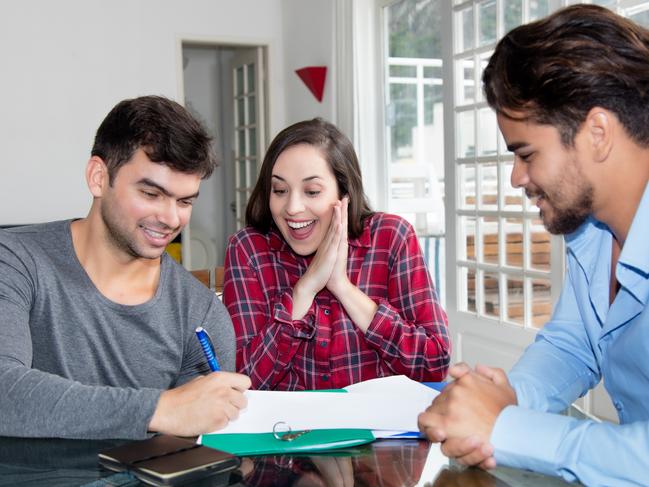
246 444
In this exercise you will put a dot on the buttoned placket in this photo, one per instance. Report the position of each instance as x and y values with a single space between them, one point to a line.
323 340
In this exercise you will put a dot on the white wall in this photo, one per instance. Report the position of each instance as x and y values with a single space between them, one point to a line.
65 63
309 40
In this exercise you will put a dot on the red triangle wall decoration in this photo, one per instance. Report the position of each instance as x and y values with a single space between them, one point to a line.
314 79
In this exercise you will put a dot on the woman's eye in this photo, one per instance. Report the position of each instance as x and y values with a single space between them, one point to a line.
149 195
279 191
312 193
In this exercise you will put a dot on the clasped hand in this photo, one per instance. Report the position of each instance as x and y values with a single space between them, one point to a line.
463 415
329 265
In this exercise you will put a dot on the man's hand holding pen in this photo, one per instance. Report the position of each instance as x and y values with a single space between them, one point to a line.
202 405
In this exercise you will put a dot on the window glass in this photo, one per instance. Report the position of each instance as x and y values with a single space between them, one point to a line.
487 22
414 120
502 236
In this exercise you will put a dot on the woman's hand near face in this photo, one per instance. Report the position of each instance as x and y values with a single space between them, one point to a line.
358 305
338 279
321 267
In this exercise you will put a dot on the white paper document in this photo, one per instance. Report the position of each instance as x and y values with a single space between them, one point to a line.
390 403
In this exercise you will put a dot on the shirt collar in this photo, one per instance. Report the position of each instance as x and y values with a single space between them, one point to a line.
634 254
633 265
579 242
365 238
276 241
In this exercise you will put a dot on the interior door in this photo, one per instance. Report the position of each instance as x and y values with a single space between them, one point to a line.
248 97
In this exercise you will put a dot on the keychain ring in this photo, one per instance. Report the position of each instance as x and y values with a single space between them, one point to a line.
280 429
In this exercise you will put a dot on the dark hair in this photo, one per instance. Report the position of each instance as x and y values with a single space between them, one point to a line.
165 131
339 153
556 69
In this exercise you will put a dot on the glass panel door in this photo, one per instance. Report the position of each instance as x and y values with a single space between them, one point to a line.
249 144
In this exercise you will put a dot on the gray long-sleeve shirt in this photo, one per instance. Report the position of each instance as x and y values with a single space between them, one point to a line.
74 364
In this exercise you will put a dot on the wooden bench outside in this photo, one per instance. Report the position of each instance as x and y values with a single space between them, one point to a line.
540 258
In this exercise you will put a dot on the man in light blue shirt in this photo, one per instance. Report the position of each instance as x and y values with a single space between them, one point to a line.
571 93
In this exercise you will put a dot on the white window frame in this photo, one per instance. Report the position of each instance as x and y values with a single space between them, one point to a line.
368 47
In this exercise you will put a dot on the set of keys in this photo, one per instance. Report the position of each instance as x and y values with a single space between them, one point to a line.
282 431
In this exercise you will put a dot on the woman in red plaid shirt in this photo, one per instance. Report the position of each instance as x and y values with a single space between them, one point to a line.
323 292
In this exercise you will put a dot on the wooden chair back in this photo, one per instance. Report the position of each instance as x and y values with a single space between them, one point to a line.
211 278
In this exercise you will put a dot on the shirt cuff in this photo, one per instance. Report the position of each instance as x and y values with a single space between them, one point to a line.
381 328
303 328
528 439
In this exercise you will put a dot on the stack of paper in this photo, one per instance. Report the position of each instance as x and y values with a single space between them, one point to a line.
386 406
417 398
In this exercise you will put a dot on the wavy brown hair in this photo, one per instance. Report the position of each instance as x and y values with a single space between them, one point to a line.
339 153
556 69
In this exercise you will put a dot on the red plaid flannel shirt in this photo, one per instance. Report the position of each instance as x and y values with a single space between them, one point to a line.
323 350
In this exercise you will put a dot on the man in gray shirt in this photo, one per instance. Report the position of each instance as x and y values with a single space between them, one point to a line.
96 320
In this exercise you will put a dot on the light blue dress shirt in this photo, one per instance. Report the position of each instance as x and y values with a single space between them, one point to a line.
585 341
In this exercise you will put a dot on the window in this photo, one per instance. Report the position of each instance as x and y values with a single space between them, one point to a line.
508 269
504 271
503 253
504 267
414 121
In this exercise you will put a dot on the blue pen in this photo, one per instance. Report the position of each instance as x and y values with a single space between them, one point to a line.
208 349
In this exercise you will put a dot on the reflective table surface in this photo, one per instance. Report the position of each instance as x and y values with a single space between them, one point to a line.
385 463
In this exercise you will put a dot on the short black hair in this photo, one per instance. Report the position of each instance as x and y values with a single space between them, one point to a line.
162 128
555 70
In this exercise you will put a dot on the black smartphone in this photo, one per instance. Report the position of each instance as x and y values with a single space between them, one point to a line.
168 460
